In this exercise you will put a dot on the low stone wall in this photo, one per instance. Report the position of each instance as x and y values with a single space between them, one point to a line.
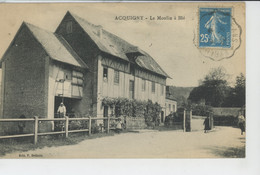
226 111
134 122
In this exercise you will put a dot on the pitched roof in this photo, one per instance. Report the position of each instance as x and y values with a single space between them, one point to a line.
114 45
56 47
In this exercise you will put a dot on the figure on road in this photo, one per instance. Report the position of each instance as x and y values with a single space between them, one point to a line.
241 123
206 125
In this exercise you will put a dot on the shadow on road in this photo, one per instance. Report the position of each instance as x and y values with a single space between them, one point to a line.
229 152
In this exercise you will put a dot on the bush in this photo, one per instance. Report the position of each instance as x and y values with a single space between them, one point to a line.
135 108
75 125
225 120
202 110
173 117
152 113
95 128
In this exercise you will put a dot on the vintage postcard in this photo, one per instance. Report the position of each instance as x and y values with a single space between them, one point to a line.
122 80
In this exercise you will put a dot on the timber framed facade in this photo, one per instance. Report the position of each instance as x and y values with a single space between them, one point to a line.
80 63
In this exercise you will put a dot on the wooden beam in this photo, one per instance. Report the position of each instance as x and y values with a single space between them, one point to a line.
36 130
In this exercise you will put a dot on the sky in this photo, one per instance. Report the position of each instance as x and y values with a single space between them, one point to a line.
169 42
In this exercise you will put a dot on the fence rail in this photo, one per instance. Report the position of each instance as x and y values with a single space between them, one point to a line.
66 130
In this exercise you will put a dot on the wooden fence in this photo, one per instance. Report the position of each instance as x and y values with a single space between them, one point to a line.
66 130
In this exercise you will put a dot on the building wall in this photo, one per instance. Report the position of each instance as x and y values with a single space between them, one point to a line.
109 89
59 89
96 89
88 51
170 106
25 75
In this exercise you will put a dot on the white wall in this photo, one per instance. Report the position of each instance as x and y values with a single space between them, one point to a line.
171 109
110 89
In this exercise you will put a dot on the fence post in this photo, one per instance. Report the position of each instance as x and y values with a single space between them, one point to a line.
35 129
184 120
66 126
89 126
108 123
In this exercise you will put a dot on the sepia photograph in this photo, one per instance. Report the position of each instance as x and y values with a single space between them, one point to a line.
122 80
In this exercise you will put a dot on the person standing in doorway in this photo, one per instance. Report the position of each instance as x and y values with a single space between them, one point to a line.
59 125
62 110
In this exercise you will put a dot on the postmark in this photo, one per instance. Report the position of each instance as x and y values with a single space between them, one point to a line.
218 35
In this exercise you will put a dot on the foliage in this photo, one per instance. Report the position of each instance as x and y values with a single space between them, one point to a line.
171 118
229 120
95 128
107 101
201 110
152 113
139 108
213 89
240 90
77 124
236 96
135 108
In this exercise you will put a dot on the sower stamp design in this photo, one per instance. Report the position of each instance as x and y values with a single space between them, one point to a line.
218 34
215 27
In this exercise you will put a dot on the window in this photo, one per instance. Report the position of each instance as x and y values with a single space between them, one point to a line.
76 84
67 75
77 78
116 77
173 108
162 89
131 89
143 84
170 107
69 27
153 87
105 76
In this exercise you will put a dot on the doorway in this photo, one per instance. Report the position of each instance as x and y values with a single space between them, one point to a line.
162 117
70 104
105 112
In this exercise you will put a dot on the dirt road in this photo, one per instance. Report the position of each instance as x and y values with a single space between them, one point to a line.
149 144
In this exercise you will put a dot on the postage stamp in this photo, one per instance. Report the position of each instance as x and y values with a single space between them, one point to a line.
218 35
215 27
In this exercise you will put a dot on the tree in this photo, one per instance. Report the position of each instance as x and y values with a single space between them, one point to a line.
213 88
240 90
236 96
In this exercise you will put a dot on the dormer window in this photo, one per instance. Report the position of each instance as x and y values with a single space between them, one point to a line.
69 27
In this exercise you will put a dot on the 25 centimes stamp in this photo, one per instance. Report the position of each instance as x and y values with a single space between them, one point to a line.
218 34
